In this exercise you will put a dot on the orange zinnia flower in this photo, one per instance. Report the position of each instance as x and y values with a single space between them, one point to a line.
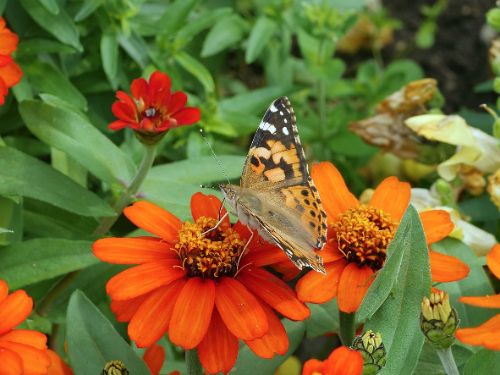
57 365
10 73
193 284
359 235
21 351
154 356
488 333
342 361
152 107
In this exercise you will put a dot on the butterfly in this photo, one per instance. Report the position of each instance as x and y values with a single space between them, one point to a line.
276 195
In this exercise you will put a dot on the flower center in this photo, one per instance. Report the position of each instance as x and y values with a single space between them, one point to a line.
209 255
363 234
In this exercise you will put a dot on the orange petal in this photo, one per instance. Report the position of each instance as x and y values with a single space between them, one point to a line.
11 362
27 337
4 290
344 361
208 206
287 270
14 309
139 280
35 361
437 224
192 313
125 310
354 282
274 292
154 219
487 334
154 358
318 288
335 195
330 252
313 367
263 254
493 260
275 341
11 74
132 250
392 196
483 301
57 365
446 268
151 320
240 310
219 348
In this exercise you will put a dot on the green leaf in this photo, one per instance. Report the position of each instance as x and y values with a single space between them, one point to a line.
249 364
93 341
60 26
175 16
39 45
227 32
197 69
476 283
109 55
393 300
11 220
255 101
204 21
483 362
493 18
136 48
47 79
324 319
309 46
71 132
50 5
88 7
29 262
21 174
260 35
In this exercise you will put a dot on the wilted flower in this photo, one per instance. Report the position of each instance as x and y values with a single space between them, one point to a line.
342 361
438 320
10 73
370 345
494 187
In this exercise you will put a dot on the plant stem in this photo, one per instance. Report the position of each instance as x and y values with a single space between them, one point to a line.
193 364
105 224
448 361
346 327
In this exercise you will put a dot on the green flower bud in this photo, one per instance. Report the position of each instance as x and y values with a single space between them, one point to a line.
370 345
438 320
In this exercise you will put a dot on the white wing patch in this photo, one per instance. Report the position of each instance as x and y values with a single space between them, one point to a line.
268 127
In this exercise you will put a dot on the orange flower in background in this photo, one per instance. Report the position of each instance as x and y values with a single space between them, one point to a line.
152 108
358 237
57 365
10 73
488 333
342 361
21 351
154 356
204 288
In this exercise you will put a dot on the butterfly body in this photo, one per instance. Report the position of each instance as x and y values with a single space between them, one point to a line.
276 195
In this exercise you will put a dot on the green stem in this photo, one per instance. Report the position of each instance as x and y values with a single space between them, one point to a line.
105 224
448 361
193 364
347 327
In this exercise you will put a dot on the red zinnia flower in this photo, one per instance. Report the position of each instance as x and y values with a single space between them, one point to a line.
196 287
358 237
10 73
152 107
21 351
342 361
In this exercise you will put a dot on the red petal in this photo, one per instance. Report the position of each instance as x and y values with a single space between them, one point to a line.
139 88
177 101
133 250
192 313
208 206
159 89
8 41
125 310
117 125
187 116
154 358
124 112
318 288
14 310
11 74
354 282
4 289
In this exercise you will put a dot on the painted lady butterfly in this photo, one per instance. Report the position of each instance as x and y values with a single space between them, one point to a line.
276 195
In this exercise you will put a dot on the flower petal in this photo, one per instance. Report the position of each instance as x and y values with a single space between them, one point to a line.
27 337
124 112
318 288
274 292
177 101
154 219
344 361
493 260
192 312
446 268
35 361
392 196
240 310
117 125
219 348
154 358
275 341
139 280
57 365
14 309
313 367
482 301
8 41
354 282
139 88
437 224
187 116
208 206
11 74
333 191
330 253
487 334
11 362
132 250
151 320
125 310
4 289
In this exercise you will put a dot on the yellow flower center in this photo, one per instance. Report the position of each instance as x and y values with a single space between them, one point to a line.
363 234
210 255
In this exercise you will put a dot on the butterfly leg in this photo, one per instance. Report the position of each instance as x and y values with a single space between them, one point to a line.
244 249
216 225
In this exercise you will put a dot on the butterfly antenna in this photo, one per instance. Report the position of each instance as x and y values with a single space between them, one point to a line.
217 160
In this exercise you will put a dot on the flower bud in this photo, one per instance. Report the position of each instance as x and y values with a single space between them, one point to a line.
115 368
494 188
370 345
438 320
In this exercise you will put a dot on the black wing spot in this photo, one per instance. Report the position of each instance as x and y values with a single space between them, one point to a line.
312 225
324 226
312 213
313 188
254 161
323 213
307 202
305 192
315 205
323 239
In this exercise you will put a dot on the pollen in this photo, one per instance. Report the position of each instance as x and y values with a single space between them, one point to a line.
208 252
363 234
